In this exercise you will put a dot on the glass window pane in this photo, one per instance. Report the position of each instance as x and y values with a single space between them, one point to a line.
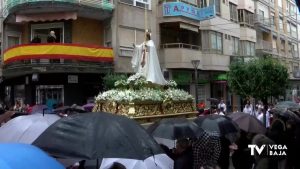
213 40
219 42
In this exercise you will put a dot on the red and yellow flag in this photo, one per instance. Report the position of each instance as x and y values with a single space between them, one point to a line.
58 51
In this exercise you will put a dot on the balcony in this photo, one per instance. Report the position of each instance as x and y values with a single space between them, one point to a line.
263 22
179 55
264 46
293 54
35 58
32 6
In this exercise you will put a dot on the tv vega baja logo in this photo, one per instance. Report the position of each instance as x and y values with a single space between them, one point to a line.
270 149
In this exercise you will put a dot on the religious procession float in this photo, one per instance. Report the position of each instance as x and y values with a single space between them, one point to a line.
144 101
146 96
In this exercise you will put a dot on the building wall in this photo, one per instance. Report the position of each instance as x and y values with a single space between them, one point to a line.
225 11
25 39
246 4
129 27
248 34
264 8
87 31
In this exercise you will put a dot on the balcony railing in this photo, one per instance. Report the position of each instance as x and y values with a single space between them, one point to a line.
264 45
101 4
55 52
262 20
274 51
180 45
282 53
293 34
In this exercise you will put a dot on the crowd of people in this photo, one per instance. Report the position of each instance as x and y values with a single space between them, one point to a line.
281 130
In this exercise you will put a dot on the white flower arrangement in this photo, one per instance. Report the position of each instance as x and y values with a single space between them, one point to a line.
121 83
135 77
136 88
177 95
107 95
172 83
144 94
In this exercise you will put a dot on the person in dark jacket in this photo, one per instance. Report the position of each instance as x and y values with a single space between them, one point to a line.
183 157
51 37
263 161
223 160
241 157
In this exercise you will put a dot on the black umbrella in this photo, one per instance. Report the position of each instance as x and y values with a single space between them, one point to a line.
222 125
68 110
248 123
213 100
97 135
175 128
288 105
286 114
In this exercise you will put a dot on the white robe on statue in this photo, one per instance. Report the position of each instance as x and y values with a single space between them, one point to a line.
151 70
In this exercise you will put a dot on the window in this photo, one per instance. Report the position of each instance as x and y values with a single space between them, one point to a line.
42 31
128 36
293 49
215 42
274 44
280 24
288 27
292 11
272 19
245 17
235 45
203 3
248 48
279 4
191 2
233 12
138 3
293 30
218 6
261 13
282 46
107 36
12 41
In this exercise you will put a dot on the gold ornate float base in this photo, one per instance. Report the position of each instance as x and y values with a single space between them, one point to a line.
145 112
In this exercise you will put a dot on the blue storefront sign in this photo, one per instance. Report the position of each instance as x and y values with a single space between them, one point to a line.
189 11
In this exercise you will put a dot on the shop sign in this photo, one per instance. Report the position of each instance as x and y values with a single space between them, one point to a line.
72 79
189 11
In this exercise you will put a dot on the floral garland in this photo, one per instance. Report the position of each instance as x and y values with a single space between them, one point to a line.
136 88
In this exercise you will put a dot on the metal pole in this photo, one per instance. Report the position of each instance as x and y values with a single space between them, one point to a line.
195 64
196 85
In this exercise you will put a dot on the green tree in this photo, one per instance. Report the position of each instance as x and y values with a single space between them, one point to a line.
110 79
258 78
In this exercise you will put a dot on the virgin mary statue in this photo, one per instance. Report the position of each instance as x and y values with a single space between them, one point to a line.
145 61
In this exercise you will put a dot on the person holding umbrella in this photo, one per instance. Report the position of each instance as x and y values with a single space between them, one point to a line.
241 158
183 158
206 150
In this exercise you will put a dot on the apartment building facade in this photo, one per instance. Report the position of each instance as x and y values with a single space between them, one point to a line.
229 32
67 69
277 29
180 38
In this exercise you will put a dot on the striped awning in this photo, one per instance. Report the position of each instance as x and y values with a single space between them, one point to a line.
43 17
58 51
